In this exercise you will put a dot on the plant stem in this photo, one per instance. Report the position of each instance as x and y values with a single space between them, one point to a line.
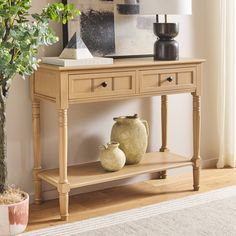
7 31
3 139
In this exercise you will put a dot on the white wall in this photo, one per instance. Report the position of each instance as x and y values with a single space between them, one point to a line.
210 136
90 124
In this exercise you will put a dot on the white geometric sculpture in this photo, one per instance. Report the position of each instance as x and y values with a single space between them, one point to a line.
76 49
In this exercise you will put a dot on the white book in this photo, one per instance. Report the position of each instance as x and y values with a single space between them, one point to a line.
78 62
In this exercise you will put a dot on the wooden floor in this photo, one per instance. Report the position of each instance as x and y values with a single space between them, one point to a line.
117 199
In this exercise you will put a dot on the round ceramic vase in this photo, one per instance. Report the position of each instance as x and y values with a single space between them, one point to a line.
14 217
132 134
111 157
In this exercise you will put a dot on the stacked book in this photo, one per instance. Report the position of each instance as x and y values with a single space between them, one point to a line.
77 62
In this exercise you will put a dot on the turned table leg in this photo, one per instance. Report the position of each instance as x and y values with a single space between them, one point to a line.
164 117
37 152
63 186
196 141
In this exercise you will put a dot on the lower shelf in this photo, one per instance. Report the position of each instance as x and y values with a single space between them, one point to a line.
92 173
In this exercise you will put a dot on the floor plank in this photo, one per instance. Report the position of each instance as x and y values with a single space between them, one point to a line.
122 198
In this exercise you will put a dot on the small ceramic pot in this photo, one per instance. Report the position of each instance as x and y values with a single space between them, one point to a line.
14 217
111 157
132 134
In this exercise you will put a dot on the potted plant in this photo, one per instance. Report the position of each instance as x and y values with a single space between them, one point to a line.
21 35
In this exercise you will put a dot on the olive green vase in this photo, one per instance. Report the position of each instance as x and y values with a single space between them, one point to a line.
112 157
132 134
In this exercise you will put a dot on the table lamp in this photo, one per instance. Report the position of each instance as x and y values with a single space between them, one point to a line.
166 48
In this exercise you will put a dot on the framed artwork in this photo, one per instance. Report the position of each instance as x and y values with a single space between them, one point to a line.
112 28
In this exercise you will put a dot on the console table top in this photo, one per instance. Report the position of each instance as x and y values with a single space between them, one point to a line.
127 62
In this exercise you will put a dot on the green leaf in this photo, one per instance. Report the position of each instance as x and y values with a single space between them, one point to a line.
20 37
77 12
64 20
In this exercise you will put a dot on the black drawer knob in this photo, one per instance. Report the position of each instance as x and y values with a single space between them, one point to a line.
104 84
170 79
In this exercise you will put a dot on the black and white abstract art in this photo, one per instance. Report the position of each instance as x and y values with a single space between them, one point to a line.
112 27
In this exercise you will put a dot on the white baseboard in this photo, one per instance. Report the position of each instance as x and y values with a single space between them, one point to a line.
209 163
53 194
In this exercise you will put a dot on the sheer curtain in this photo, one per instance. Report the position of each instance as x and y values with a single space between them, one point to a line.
227 85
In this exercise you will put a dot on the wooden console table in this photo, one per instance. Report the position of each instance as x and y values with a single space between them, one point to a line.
126 78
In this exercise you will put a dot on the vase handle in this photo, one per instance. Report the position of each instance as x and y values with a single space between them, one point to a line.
146 126
102 147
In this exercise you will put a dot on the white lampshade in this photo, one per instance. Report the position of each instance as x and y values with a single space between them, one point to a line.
165 7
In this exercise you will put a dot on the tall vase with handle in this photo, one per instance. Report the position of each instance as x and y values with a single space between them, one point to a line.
132 134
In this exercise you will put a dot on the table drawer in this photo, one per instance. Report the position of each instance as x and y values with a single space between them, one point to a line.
101 84
167 79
